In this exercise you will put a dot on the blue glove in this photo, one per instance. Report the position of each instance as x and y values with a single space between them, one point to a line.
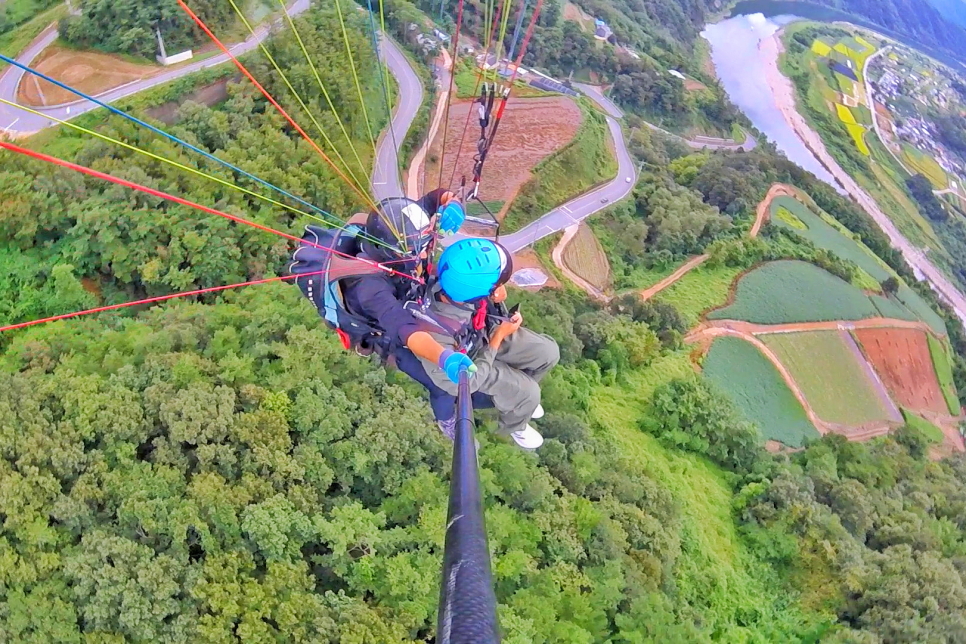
453 363
451 217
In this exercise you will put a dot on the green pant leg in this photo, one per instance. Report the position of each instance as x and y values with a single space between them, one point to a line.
532 353
515 395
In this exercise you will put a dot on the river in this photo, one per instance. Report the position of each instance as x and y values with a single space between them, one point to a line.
745 50
741 69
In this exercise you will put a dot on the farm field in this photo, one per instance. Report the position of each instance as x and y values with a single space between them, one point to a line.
532 130
944 373
700 290
831 378
585 256
901 358
826 235
924 164
825 232
786 291
758 390
933 433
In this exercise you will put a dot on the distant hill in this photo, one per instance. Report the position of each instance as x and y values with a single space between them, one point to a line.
951 10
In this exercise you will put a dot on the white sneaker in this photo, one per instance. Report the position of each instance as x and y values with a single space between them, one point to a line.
537 413
528 438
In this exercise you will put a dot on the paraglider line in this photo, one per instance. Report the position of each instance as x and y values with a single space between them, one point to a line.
298 97
244 70
166 135
195 171
150 300
184 202
476 91
449 96
325 92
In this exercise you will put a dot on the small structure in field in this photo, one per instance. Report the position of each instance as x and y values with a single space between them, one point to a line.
174 59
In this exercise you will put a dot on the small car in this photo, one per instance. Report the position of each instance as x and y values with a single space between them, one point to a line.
628 180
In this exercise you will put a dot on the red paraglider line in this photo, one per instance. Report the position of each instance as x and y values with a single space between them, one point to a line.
201 24
184 202
151 300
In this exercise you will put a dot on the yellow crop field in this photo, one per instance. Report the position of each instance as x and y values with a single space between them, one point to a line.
845 114
925 165
858 135
820 48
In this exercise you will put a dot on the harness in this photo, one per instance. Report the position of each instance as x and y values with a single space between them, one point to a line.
323 275
324 288
487 98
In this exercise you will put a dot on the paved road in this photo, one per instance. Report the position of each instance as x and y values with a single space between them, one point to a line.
386 180
698 142
585 205
18 122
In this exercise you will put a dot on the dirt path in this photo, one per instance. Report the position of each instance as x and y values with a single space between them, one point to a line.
764 208
752 328
569 233
416 167
761 216
668 281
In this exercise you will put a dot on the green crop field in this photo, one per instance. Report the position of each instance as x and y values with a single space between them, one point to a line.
924 164
914 302
700 290
833 381
944 371
825 232
828 236
932 432
792 291
758 390
889 307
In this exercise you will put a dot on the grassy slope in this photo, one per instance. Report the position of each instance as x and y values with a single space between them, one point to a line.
831 379
928 429
15 40
716 571
944 372
700 290
581 164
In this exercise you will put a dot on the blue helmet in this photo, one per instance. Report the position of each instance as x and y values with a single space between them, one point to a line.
471 269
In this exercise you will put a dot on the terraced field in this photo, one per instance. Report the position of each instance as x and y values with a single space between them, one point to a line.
758 390
827 370
786 291
825 232
944 372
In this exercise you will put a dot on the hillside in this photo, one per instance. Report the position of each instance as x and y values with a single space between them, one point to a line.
756 439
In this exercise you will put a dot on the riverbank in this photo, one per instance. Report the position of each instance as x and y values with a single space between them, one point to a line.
783 91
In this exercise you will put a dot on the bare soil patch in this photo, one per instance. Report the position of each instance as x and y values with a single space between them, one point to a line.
90 72
585 256
901 358
692 85
531 130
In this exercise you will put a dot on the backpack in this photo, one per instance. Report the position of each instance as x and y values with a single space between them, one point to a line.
319 275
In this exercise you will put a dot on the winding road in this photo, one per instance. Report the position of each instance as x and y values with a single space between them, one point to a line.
386 180
19 123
